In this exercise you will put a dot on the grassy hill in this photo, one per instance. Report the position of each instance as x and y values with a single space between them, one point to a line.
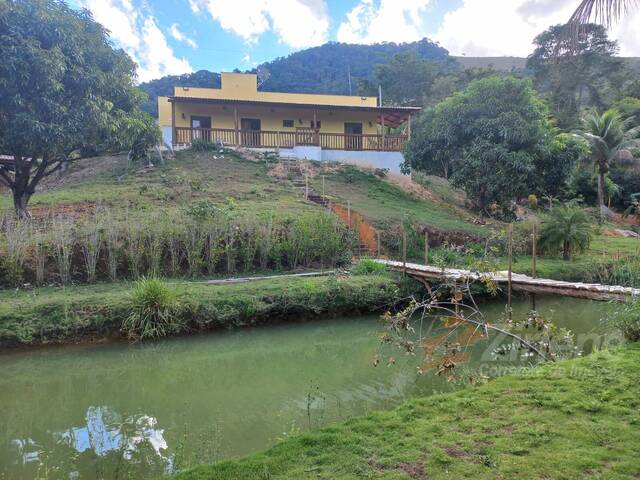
230 179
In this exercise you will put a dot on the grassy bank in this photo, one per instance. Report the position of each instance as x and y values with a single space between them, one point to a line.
572 420
49 315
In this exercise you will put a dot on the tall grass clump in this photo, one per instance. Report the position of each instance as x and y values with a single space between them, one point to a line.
154 310
16 238
63 233
90 242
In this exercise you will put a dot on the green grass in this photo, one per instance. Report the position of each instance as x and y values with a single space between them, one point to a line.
573 420
602 248
190 177
382 203
49 315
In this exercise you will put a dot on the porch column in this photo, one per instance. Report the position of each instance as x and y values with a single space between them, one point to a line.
235 121
383 134
174 138
316 136
409 127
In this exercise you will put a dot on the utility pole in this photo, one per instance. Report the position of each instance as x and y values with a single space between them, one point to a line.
349 75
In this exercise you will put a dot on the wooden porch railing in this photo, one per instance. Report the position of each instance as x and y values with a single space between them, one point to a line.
289 139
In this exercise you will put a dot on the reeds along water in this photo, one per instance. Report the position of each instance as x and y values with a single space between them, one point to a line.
102 247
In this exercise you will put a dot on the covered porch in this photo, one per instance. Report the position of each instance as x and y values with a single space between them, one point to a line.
284 125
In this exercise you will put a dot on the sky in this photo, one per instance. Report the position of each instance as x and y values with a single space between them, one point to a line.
172 37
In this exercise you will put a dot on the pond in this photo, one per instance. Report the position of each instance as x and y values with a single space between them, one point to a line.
138 411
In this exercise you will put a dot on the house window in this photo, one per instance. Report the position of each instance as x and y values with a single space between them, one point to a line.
318 123
287 123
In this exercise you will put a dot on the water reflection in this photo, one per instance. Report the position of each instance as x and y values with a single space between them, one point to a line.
120 411
106 432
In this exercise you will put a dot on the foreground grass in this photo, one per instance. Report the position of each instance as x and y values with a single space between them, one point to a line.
573 420
47 315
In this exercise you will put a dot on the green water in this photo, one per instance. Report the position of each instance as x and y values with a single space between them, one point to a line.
137 411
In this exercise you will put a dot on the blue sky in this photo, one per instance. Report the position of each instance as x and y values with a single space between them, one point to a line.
181 36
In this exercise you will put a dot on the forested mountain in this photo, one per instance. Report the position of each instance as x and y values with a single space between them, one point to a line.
326 69
323 69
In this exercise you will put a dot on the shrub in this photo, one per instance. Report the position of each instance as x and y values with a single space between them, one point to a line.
154 310
566 228
627 320
368 266
204 145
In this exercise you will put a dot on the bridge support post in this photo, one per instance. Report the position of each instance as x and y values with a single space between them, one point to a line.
404 252
510 254
426 247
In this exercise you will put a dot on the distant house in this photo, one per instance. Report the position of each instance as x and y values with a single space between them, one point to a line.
317 127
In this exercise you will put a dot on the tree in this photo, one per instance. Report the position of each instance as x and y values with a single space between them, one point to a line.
575 77
491 140
611 139
567 228
408 79
65 90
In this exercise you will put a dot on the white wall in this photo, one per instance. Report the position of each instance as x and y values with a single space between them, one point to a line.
373 159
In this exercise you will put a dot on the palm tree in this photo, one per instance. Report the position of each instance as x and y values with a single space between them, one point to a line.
605 12
565 227
611 139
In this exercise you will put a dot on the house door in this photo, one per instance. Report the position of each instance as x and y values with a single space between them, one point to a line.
201 128
250 128
353 136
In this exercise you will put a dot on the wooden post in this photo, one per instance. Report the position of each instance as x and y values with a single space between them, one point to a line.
306 187
409 127
279 141
235 121
426 247
174 135
322 186
349 213
510 255
378 240
534 240
534 267
382 147
404 252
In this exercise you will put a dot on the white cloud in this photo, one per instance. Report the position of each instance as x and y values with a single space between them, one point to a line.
140 36
181 37
500 27
373 21
297 23
628 35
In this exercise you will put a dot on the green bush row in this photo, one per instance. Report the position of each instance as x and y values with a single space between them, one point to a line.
201 240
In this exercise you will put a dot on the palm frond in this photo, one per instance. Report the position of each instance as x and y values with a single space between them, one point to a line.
605 12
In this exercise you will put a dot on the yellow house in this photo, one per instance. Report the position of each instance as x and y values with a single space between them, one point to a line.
320 127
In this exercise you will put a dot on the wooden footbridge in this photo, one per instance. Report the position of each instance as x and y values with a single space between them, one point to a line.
519 282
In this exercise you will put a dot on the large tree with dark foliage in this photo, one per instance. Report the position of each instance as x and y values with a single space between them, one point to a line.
495 141
573 76
64 90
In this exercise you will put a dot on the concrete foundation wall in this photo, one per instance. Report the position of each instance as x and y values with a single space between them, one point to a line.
390 160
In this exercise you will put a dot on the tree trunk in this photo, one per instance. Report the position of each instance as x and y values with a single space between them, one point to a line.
20 200
566 251
601 195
